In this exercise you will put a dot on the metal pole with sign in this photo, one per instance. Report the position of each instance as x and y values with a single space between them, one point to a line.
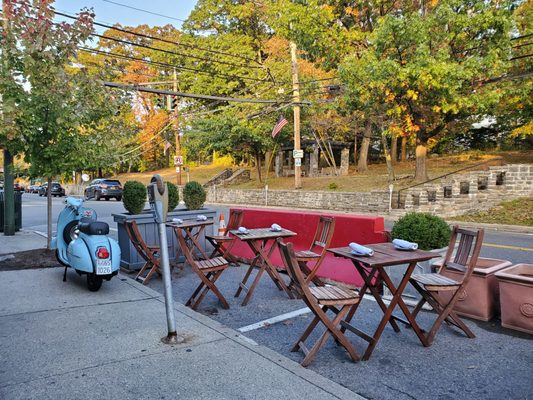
158 198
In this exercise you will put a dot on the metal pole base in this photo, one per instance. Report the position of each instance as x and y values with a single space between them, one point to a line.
172 338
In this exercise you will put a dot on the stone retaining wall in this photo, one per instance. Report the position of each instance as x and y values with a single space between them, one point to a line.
447 197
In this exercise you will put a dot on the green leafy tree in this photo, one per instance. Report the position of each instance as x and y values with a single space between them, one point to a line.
53 105
422 66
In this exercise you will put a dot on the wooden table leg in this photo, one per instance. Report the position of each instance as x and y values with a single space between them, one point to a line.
398 295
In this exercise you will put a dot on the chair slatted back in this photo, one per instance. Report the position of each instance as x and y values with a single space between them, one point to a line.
295 273
467 254
136 239
235 220
324 233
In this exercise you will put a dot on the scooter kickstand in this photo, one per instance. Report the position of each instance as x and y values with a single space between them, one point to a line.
65 275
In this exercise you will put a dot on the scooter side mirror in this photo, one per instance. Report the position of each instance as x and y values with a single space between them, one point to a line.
158 198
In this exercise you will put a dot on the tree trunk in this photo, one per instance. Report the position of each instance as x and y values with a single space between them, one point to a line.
394 149
421 174
49 214
258 166
404 148
390 170
362 165
355 149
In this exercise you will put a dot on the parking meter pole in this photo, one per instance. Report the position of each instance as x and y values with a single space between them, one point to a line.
9 195
158 197
169 301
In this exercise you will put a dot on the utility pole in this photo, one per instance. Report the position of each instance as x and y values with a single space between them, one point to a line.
9 193
296 110
179 163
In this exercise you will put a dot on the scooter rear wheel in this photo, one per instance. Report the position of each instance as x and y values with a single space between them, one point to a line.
94 282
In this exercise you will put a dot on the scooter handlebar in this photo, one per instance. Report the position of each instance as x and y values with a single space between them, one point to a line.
73 202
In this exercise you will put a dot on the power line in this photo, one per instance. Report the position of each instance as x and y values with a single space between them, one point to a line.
190 46
144 11
192 95
145 46
519 57
165 65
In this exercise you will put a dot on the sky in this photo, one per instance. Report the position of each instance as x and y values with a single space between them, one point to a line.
110 12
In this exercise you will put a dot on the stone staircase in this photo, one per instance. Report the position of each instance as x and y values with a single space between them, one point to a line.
460 193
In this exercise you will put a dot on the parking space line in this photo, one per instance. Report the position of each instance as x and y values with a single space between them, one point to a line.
273 320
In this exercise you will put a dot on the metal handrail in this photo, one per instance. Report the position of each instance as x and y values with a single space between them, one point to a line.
444 176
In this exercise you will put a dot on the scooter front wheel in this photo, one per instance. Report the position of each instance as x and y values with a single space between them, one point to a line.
94 282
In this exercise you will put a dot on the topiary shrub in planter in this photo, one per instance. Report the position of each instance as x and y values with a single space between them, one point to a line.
134 197
194 195
429 231
173 196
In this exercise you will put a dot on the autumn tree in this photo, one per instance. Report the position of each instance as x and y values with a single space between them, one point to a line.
423 66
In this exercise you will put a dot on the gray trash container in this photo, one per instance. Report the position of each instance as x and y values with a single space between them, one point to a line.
18 211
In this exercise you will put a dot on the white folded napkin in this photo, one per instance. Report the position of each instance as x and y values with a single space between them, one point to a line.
201 218
275 228
404 244
361 250
177 220
242 229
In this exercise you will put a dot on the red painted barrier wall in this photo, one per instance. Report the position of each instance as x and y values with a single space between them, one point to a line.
361 229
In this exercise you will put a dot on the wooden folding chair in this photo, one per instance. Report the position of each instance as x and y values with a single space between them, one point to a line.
429 285
222 244
150 253
317 250
208 271
320 300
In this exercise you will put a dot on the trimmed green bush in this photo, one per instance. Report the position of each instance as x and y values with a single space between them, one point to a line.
194 195
429 231
134 196
173 196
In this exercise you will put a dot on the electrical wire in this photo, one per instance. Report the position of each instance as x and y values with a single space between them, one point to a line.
144 11
190 46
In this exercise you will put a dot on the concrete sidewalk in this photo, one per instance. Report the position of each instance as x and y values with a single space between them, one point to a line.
60 341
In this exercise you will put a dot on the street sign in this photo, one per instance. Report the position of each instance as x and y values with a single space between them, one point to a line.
178 160
297 162
297 153
177 169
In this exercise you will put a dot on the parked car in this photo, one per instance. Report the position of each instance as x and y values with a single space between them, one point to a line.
32 188
17 187
104 189
57 190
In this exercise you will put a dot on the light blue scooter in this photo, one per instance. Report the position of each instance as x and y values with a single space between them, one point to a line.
81 243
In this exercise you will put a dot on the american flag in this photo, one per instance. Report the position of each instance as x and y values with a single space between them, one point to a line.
282 121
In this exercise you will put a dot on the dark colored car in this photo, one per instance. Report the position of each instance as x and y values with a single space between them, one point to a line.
17 187
57 190
104 189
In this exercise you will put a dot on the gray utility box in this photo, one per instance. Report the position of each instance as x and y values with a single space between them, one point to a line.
18 211
130 258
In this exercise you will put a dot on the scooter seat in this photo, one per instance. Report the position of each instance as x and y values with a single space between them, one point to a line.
93 227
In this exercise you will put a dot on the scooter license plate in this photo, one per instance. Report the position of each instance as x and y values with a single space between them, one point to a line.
103 267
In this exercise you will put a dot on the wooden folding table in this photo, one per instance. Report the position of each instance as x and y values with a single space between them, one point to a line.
192 231
258 240
371 269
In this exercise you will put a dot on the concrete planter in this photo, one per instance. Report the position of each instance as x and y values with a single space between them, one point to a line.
516 297
479 300
130 259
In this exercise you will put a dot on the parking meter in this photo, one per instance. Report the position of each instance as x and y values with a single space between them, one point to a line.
158 198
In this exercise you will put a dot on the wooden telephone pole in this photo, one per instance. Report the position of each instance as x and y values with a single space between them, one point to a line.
179 162
296 110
